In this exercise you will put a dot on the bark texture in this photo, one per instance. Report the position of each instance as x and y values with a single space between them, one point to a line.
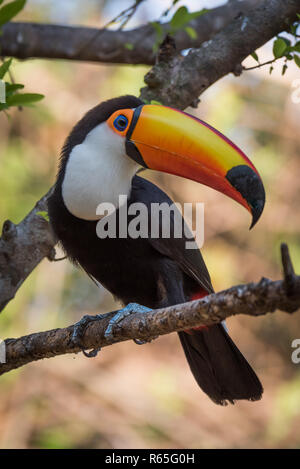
50 41
254 299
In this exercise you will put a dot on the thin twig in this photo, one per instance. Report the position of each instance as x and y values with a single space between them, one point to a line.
260 65
128 13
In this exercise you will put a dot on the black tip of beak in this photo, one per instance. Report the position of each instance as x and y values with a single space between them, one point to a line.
257 210
247 182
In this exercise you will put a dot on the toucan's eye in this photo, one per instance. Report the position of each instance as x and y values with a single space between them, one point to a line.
121 122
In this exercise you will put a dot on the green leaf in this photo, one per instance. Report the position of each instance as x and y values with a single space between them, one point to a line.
155 102
8 11
128 45
287 41
255 56
297 47
44 215
297 60
279 47
294 28
284 69
179 18
4 67
191 32
25 99
157 27
298 15
159 34
196 14
182 16
13 87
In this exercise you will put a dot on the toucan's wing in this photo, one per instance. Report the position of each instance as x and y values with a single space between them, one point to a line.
218 366
189 260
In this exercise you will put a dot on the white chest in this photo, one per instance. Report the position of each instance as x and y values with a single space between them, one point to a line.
98 171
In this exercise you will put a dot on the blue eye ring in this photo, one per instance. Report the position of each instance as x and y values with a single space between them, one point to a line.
121 122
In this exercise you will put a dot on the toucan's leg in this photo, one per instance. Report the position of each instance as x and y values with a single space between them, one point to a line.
79 329
80 326
129 309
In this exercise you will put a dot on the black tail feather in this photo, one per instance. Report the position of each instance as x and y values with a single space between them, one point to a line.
218 366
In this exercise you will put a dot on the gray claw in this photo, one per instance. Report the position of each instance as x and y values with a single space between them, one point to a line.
79 330
129 309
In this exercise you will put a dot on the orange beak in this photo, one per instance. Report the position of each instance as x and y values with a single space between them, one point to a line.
171 141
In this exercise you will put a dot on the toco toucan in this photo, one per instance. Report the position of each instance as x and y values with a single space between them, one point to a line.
99 161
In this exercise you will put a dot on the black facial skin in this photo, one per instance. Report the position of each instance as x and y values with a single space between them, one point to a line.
131 149
245 180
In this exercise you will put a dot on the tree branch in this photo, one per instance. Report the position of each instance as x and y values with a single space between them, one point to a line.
253 299
27 40
22 247
180 81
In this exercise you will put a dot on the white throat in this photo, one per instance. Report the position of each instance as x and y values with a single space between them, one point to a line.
98 170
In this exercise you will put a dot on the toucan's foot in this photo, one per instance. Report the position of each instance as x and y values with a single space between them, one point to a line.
123 313
79 330
225 326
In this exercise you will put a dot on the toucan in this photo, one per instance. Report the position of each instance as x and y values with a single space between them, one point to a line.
99 161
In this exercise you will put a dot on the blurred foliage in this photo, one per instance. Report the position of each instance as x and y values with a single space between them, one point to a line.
10 10
178 22
10 95
147 397
285 47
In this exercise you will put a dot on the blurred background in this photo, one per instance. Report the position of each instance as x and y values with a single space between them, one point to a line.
146 397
